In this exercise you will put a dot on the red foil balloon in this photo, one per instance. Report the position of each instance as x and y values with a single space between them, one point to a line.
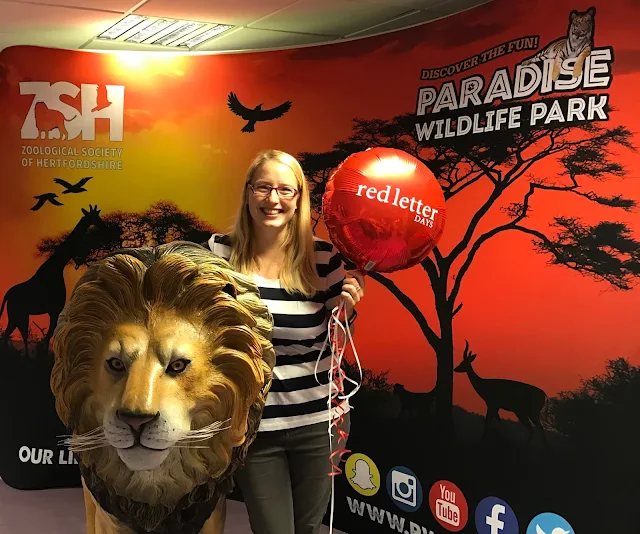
384 210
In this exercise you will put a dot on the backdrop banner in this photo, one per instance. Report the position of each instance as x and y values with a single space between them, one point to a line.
502 382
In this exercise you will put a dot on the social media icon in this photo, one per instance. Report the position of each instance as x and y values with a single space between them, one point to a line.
549 523
404 488
494 516
362 474
449 505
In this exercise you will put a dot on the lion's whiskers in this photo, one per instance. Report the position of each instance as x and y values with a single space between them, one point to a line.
94 439
201 434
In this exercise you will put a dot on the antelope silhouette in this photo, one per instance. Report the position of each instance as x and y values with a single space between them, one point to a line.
45 292
412 402
524 400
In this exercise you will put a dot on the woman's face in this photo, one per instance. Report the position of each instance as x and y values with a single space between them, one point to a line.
268 207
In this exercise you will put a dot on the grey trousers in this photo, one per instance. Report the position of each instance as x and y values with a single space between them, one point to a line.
285 482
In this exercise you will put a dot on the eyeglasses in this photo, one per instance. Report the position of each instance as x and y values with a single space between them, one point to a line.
263 191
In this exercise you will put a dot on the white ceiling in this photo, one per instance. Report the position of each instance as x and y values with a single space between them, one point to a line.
258 24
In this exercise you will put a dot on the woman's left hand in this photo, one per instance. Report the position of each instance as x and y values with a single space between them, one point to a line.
352 291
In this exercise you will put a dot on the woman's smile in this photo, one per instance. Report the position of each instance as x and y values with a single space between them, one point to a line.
271 212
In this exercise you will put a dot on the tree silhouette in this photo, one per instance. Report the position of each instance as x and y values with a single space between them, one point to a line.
605 251
600 416
318 168
163 222
371 381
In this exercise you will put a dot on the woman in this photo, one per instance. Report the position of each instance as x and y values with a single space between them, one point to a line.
285 482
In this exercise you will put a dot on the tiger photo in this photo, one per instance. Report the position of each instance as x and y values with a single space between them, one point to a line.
576 45
163 361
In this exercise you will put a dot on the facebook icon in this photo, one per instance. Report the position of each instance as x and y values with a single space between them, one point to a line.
494 516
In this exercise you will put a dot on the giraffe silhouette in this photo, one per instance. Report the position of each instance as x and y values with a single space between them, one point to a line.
45 292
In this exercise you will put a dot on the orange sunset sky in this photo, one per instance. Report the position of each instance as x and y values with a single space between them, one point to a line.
526 320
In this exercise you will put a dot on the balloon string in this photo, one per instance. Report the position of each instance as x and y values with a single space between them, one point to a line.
337 336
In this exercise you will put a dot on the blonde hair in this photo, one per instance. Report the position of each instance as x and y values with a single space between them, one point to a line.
298 273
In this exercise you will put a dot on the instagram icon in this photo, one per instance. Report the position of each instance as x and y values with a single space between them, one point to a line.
448 505
404 488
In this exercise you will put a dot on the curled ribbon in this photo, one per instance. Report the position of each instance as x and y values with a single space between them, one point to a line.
338 332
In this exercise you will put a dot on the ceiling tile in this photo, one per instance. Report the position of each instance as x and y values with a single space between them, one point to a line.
450 7
235 12
60 27
64 26
407 4
253 39
328 17
418 17
120 6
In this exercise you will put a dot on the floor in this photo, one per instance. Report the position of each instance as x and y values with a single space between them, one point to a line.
61 511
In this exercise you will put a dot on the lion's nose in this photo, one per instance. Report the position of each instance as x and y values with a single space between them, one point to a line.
135 420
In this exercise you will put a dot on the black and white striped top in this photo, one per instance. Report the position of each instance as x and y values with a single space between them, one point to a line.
299 331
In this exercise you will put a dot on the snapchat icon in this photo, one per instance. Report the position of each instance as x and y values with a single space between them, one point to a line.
362 474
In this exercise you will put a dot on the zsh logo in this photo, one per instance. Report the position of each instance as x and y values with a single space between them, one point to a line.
49 117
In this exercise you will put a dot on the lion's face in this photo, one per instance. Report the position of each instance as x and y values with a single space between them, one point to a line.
163 368
149 382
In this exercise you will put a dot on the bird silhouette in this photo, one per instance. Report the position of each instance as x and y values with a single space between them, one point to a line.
44 198
72 188
256 114
102 100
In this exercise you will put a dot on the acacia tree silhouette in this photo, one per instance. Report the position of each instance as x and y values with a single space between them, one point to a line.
161 223
599 416
371 380
490 164
318 168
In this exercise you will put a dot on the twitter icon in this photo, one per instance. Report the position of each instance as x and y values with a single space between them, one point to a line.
549 523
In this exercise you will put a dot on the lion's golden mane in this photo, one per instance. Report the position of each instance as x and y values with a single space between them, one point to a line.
128 286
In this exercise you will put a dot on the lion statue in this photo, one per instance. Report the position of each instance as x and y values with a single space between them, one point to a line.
163 361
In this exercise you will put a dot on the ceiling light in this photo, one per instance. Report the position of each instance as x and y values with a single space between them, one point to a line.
150 30
121 27
202 37
185 29
160 31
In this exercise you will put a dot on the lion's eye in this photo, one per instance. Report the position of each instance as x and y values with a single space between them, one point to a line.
178 366
116 365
